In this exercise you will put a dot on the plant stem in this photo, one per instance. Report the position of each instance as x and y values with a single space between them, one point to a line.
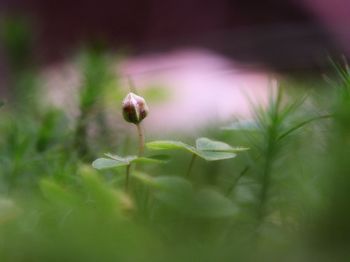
300 125
141 139
127 175
194 156
235 183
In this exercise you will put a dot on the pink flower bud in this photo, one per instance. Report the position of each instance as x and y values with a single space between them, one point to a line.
135 108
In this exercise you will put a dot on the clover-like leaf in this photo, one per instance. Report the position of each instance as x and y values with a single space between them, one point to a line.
214 156
206 144
126 159
207 149
118 161
156 159
103 163
169 144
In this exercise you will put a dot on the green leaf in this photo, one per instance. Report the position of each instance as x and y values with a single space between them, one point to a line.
207 149
164 183
144 178
118 161
206 144
57 194
211 204
103 163
214 156
169 144
173 191
126 159
178 193
160 159
172 183
98 190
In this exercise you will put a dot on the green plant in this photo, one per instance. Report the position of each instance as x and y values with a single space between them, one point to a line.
135 110
96 76
285 197
205 148
113 161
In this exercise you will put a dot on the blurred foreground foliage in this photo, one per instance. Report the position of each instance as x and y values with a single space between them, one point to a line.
285 199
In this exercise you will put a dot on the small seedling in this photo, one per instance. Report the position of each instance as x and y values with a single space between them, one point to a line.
135 110
207 149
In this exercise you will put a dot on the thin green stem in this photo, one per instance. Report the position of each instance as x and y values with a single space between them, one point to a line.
194 156
233 186
283 135
141 139
300 125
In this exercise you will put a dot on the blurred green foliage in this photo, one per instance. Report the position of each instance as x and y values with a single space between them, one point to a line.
285 199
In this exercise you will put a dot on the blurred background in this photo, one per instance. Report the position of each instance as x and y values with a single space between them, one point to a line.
248 32
214 49
268 75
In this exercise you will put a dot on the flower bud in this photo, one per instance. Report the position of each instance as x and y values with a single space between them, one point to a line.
135 108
